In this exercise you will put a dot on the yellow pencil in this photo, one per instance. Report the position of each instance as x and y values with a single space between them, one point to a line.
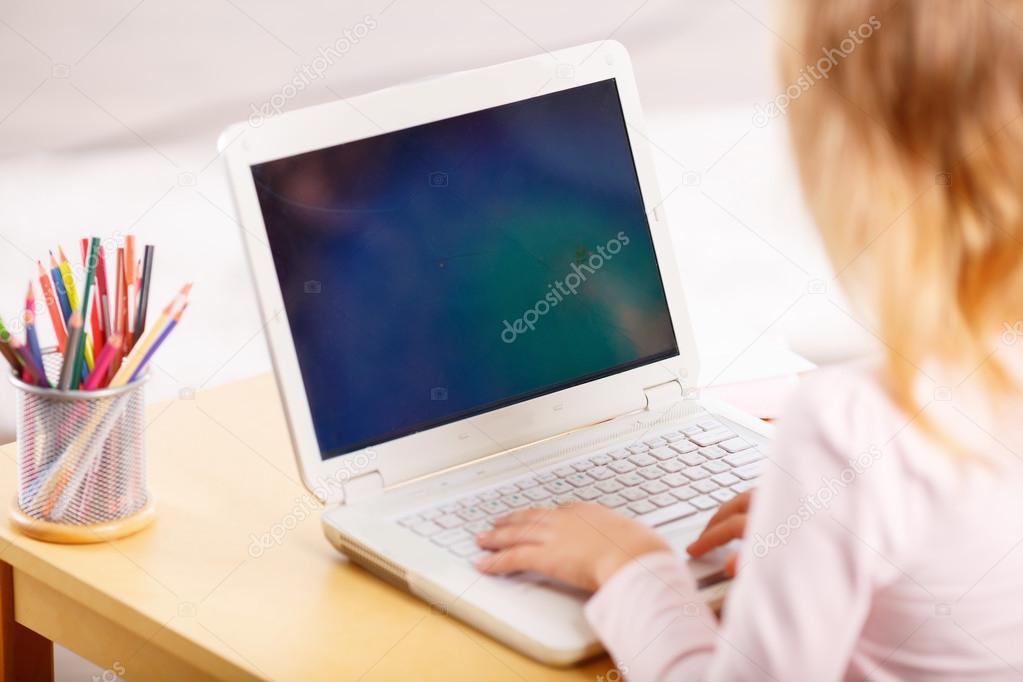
141 348
72 299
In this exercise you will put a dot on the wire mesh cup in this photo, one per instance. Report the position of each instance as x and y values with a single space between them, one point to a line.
81 463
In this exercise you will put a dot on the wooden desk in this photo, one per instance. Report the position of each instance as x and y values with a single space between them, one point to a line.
192 598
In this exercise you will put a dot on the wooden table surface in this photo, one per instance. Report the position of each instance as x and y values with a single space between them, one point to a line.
203 594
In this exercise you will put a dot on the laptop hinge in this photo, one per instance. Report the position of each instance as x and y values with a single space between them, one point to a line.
663 396
362 487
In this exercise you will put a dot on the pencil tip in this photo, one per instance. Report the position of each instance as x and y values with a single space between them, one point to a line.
60 250
186 289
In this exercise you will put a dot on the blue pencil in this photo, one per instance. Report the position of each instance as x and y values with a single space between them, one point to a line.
30 327
58 285
164 333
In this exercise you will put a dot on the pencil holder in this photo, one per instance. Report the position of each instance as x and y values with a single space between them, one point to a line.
81 463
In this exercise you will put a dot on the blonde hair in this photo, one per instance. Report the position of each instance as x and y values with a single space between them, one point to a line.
909 140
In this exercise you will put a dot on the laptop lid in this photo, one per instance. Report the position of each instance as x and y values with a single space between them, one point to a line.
460 266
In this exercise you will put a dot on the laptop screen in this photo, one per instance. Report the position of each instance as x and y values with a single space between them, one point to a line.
455 267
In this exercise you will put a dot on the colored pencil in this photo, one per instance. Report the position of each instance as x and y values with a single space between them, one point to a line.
144 279
129 278
156 344
103 297
128 368
60 288
72 357
120 310
53 306
98 333
72 297
90 273
35 372
31 338
103 361
5 350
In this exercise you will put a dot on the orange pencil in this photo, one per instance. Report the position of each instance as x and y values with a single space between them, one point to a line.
120 311
129 279
51 305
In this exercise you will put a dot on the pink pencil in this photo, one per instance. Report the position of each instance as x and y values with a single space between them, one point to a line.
106 356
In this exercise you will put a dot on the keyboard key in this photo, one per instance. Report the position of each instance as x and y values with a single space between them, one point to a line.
674 480
626 512
564 472
704 502
467 548
582 465
493 507
735 444
672 466
588 494
430 514
623 466
682 447
642 507
723 495
711 437
692 459
705 486
663 453
450 537
449 521
601 460
612 501
558 487
566 498
633 494
427 528
713 452
654 487
642 460
674 436
638 448
749 471
609 486
696 473
515 500
690 430
656 442
477 527
620 453
684 493
508 489
709 424
546 477
410 521
601 473
631 478
725 480
742 486
527 483
664 500
450 508
651 473
473 514
715 466
579 480
537 494
659 517
470 502
490 495
743 458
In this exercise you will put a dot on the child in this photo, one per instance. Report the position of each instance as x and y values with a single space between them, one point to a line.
885 539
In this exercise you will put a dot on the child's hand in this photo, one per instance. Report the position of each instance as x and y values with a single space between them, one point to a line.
726 525
582 545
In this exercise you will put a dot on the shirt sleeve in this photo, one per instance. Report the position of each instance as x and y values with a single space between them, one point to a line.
822 535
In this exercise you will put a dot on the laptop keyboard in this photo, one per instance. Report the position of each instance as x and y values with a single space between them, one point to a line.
659 480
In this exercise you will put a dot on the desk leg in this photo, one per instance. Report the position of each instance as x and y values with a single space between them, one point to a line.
24 655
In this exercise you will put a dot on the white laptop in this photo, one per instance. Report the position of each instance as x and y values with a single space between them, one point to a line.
473 306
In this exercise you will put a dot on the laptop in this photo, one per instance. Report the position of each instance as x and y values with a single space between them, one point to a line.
472 305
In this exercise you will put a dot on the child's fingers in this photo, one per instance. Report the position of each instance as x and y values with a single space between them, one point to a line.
501 537
737 505
718 534
514 560
530 516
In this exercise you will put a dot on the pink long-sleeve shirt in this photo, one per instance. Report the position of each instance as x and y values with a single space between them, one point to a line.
871 552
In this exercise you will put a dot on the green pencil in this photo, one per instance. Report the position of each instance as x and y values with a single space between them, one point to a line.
90 274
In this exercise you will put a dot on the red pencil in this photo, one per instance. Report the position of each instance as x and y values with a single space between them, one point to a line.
121 311
98 335
51 305
98 376
102 296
